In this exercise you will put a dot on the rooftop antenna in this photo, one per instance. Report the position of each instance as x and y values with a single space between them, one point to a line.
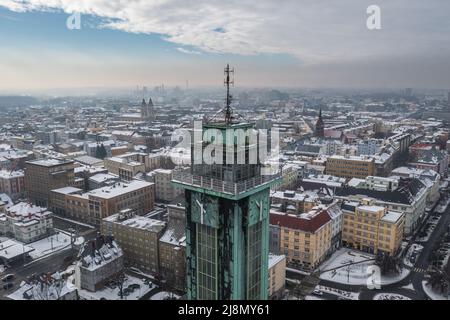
228 81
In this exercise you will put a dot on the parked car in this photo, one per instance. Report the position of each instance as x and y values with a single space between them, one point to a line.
8 277
8 285
317 292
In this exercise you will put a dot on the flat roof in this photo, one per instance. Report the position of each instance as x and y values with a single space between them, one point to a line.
49 162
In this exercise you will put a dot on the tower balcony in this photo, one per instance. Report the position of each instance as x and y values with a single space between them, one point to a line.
228 189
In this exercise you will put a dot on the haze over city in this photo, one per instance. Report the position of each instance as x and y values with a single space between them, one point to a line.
274 44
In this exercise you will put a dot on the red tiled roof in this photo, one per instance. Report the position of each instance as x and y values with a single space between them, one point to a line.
299 223
333 134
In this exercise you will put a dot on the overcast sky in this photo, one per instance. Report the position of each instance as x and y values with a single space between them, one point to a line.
307 43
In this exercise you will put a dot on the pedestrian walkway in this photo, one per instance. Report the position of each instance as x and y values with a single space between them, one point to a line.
421 270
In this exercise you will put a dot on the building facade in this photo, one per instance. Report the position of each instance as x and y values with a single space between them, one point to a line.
372 228
42 176
138 237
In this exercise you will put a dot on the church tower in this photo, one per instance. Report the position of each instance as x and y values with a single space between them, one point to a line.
144 109
320 126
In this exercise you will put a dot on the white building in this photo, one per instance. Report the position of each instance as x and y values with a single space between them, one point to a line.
101 260
429 177
164 190
26 222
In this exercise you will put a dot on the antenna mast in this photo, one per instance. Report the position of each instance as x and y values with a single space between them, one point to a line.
228 81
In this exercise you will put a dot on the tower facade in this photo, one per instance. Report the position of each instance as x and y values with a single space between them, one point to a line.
227 215
144 110
320 126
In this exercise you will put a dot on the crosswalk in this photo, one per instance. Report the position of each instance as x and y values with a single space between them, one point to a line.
421 270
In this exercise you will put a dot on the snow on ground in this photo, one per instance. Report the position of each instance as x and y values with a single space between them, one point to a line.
433 295
52 244
338 292
75 222
356 274
390 296
442 206
310 298
113 294
164 295
298 271
409 286
414 247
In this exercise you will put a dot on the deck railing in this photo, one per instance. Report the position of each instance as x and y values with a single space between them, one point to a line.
185 177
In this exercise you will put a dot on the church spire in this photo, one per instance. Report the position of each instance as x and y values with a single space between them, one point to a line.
320 126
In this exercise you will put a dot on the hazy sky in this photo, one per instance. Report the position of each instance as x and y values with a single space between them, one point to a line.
310 43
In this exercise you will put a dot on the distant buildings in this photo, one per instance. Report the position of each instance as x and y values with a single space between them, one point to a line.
42 176
125 168
350 166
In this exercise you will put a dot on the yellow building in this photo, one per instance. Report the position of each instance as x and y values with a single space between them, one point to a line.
277 276
350 166
372 228
304 239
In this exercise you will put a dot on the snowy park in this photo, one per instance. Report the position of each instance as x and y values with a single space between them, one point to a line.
51 244
352 267
390 296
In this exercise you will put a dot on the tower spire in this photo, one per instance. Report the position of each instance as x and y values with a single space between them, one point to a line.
229 72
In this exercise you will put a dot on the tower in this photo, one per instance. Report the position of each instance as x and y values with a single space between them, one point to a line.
227 212
144 109
150 110
147 110
320 126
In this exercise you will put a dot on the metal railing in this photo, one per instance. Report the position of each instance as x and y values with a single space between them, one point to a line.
185 177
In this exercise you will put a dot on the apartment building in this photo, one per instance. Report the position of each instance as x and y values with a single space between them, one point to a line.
101 260
172 249
294 202
164 190
410 198
44 175
350 166
137 236
91 207
277 276
304 239
125 168
12 183
26 222
371 228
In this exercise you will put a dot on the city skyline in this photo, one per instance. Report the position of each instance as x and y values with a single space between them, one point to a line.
294 44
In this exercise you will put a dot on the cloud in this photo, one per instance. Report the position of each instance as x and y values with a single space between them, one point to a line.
313 31
183 50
